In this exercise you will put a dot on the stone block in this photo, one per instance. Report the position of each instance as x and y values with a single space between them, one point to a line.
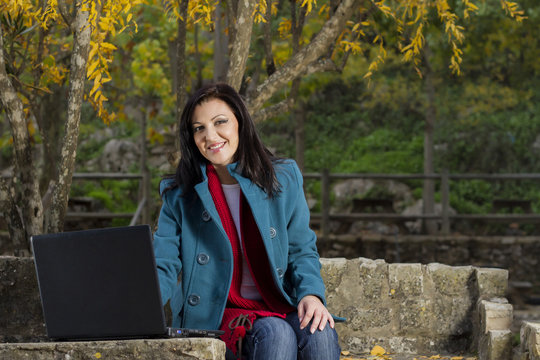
405 280
496 345
415 317
491 282
453 316
163 349
21 315
450 280
530 340
360 319
495 315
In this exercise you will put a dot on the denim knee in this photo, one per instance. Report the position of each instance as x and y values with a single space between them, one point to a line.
271 338
321 345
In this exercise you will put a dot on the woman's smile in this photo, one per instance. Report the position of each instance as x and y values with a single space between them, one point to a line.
215 131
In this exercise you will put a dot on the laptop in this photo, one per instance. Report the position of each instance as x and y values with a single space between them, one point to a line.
102 284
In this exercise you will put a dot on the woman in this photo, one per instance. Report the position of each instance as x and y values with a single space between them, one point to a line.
233 245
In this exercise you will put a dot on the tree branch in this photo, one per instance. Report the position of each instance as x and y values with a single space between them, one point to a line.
79 59
242 41
267 40
298 63
32 210
267 112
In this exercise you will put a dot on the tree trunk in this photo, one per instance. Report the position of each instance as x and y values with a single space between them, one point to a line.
221 47
242 42
198 62
295 66
298 113
77 76
428 194
10 212
24 176
181 76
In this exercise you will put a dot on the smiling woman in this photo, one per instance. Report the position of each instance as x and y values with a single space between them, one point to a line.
234 226
215 131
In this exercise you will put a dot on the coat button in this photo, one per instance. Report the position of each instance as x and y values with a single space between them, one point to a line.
205 216
273 232
280 272
194 300
203 258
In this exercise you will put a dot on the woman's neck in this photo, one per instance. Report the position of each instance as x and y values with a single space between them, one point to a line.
225 177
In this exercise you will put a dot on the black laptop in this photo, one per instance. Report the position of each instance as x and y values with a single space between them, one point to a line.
102 284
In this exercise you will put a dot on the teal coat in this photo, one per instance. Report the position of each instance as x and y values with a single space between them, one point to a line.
194 256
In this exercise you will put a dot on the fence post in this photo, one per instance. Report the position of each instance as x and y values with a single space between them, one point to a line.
445 199
325 188
145 184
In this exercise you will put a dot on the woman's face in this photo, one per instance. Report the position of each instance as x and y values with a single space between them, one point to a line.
215 131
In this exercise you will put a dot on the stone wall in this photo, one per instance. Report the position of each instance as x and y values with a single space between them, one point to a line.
519 255
409 308
406 308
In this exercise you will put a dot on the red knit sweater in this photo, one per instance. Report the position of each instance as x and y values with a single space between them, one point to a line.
273 303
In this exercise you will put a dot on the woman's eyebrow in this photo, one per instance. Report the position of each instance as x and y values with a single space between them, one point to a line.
219 115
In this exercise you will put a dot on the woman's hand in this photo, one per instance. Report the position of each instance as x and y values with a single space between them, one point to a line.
311 308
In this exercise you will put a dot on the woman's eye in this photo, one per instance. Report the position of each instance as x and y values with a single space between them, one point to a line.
197 129
221 121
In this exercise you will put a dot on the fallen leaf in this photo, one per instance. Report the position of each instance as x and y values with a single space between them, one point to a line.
345 352
456 358
378 350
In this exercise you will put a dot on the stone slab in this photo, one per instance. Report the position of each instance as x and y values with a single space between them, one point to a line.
495 315
530 340
496 345
148 349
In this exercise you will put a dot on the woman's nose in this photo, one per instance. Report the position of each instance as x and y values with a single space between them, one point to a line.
211 133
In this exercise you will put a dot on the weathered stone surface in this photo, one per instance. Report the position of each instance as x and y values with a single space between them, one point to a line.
496 345
415 316
450 280
530 340
435 316
495 315
453 317
21 316
492 282
406 280
163 349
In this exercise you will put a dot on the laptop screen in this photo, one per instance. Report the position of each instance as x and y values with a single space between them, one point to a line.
99 283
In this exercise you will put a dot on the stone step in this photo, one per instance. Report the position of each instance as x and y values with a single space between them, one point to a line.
148 349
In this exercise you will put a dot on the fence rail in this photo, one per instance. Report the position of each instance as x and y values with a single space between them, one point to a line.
445 217
141 201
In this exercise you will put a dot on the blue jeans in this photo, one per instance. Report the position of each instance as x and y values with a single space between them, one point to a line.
276 338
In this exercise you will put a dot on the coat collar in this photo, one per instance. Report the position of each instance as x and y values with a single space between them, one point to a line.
255 196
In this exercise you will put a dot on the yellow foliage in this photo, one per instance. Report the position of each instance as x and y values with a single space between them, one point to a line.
377 351
310 4
284 28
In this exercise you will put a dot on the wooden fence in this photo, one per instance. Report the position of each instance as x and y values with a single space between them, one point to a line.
141 214
445 217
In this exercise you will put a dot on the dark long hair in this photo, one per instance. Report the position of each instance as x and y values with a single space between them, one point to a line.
255 161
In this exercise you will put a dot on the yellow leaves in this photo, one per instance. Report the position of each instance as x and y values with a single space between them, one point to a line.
377 351
97 355
284 28
309 4
469 8
259 12
512 9
354 47
105 23
385 9
202 11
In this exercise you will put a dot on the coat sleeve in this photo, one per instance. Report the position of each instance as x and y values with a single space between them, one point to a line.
303 264
167 246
